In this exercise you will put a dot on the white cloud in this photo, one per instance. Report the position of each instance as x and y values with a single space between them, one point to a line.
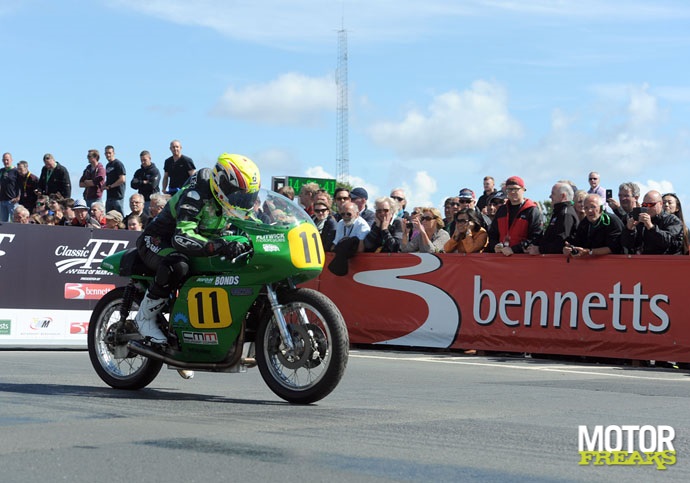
423 188
292 98
319 172
455 122
643 108
663 186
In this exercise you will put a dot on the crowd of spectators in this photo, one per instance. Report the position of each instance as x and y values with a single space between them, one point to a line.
47 198
579 223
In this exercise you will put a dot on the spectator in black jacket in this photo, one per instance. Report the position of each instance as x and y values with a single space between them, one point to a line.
386 231
54 178
598 233
652 231
561 227
146 179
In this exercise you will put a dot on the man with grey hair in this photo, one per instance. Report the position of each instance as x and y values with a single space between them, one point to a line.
563 223
628 194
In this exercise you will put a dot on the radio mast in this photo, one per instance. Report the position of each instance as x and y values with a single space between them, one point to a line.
342 141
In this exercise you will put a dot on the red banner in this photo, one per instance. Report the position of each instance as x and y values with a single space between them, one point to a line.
612 306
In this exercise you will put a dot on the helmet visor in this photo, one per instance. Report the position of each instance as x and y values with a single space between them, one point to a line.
242 200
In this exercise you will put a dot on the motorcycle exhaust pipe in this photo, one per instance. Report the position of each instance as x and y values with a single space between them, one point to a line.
142 350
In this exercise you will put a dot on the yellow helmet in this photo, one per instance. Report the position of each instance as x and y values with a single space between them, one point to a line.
235 182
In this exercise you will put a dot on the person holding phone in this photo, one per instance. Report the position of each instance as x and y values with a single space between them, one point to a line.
651 231
628 194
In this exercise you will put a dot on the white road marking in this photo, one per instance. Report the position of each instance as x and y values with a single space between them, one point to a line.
565 368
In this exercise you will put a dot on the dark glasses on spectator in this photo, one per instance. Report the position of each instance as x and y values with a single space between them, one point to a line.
321 211
426 218
397 198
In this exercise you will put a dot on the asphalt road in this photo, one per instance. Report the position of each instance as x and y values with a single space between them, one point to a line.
397 416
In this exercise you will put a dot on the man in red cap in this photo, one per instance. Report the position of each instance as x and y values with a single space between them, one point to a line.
518 223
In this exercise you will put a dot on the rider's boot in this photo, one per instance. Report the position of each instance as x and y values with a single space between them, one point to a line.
149 308
185 373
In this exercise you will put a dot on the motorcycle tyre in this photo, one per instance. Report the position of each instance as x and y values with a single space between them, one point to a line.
339 346
149 369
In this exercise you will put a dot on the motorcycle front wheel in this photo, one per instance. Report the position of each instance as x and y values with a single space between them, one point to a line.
321 345
107 342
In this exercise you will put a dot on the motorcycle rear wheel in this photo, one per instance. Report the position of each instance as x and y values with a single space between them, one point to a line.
318 363
114 364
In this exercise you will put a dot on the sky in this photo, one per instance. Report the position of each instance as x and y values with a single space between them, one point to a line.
440 93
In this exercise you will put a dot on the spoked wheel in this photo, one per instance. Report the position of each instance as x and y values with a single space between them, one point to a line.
321 345
107 341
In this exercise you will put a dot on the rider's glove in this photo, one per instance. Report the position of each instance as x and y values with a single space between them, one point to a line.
233 249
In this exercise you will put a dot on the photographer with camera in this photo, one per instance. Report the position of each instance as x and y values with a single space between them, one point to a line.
651 231
597 234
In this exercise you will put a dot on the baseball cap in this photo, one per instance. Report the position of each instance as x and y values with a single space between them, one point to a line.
359 192
498 196
466 193
515 180
80 204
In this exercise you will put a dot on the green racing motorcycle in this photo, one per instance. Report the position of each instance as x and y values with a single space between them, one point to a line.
230 315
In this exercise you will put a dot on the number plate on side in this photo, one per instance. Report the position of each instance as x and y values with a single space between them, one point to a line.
209 308
306 250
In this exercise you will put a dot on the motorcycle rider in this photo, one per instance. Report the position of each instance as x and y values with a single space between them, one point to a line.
190 225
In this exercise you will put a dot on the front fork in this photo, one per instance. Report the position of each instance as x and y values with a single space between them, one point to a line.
278 314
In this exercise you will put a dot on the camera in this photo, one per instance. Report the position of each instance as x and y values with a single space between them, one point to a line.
636 212
609 194
574 251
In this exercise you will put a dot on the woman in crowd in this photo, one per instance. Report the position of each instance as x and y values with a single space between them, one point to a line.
579 202
469 236
430 236
325 223
672 205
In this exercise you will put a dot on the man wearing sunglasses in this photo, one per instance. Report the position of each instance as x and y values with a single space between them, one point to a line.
351 225
651 231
